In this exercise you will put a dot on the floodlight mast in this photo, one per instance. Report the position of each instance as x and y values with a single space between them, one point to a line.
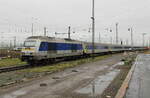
93 28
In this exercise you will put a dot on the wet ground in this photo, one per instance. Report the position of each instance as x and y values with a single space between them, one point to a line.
86 81
140 82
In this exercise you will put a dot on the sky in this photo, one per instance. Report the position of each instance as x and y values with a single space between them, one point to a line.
17 16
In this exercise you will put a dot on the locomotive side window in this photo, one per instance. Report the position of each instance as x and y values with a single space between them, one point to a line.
51 46
43 46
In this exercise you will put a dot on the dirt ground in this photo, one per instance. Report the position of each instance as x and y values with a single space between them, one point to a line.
112 89
85 81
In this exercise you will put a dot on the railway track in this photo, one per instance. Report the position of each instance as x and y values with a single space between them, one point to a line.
13 68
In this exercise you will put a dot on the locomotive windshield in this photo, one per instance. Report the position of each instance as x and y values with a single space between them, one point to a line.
30 43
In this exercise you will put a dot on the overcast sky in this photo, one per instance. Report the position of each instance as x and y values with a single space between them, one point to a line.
16 17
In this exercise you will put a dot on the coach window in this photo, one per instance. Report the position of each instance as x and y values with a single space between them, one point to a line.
74 47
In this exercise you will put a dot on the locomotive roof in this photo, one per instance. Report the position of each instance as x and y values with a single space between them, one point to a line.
52 38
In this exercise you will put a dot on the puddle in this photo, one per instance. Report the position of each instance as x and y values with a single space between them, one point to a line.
55 78
43 85
74 70
15 94
120 63
99 84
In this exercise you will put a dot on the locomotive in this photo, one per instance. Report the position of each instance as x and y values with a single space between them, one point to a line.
40 48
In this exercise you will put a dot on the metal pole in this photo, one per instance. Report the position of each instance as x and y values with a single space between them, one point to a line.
32 29
99 37
45 30
2 39
144 39
131 38
1 43
116 33
10 44
15 42
93 28
69 30
149 43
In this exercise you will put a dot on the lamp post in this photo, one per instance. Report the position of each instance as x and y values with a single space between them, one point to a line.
116 33
93 28
131 29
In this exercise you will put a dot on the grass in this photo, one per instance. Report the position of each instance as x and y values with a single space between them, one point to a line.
11 53
64 65
11 62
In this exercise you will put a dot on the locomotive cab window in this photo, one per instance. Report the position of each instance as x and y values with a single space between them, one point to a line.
30 43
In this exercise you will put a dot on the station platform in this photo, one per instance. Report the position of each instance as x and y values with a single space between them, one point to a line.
139 86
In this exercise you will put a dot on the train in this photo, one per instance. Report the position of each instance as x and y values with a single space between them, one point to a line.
43 48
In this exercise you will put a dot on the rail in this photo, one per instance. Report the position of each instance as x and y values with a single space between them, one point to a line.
13 68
